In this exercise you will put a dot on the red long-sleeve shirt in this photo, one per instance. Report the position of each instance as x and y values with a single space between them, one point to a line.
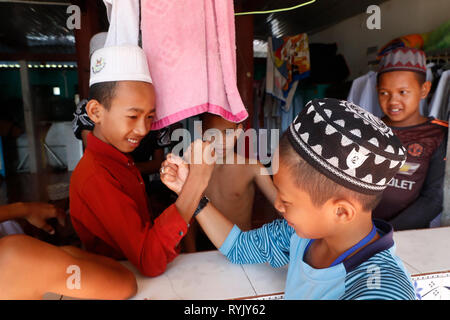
109 211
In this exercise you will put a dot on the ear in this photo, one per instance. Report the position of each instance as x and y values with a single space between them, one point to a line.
95 110
279 205
344 211
425 89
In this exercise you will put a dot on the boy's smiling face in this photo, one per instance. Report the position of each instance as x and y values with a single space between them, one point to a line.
129 117
399 94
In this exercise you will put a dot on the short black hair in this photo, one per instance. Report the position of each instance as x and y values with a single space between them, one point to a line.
103 92
420 76
207 116
319 187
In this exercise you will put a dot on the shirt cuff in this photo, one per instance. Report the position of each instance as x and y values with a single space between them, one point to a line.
172 223
230 240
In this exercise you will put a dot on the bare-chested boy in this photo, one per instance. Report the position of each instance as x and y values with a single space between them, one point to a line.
232 185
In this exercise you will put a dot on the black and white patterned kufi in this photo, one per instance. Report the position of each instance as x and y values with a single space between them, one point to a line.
347 144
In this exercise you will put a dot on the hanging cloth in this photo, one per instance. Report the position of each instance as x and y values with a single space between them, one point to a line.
191 52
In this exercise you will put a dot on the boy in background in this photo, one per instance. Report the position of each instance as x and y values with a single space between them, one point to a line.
414 196
108 201
234 179
335 160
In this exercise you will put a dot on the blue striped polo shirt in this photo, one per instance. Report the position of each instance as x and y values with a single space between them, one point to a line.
374 272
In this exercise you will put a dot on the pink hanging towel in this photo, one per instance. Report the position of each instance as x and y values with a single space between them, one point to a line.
191 51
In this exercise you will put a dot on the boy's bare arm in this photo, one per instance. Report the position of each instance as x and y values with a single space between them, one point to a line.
12 211
175 176
189 181
215 224
36 213
264 182
59 272
191 195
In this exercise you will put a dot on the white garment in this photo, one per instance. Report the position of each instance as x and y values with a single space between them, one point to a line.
10 227
123 17
97 41
364 93
439 107
423 103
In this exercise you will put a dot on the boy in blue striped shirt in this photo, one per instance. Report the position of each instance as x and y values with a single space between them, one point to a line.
335 160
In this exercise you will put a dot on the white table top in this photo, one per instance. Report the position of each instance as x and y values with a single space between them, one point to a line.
209 275
424 250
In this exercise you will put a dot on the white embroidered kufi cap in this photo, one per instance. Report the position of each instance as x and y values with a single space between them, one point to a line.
119 63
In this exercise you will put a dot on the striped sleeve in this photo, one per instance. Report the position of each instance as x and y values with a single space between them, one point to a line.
270 243
379 278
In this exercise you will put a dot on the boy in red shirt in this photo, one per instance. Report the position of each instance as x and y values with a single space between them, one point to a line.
108 203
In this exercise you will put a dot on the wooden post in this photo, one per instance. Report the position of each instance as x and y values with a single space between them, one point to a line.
244 61
244 66
90 25
34 147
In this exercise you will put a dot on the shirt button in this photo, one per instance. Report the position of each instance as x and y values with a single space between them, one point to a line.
180 233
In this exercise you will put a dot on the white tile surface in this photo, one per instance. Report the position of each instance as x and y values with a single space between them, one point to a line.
265 279
157 288
196 276
411 270
207 275
426 250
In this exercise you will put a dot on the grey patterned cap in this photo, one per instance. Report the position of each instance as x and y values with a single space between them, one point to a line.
347 144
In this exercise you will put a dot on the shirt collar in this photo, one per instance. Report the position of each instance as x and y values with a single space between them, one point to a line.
99 147
385 242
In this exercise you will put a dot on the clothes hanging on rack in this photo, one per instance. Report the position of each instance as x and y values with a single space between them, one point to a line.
276 117
191 52
439 105
287 63
424 105
287 117
364 93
